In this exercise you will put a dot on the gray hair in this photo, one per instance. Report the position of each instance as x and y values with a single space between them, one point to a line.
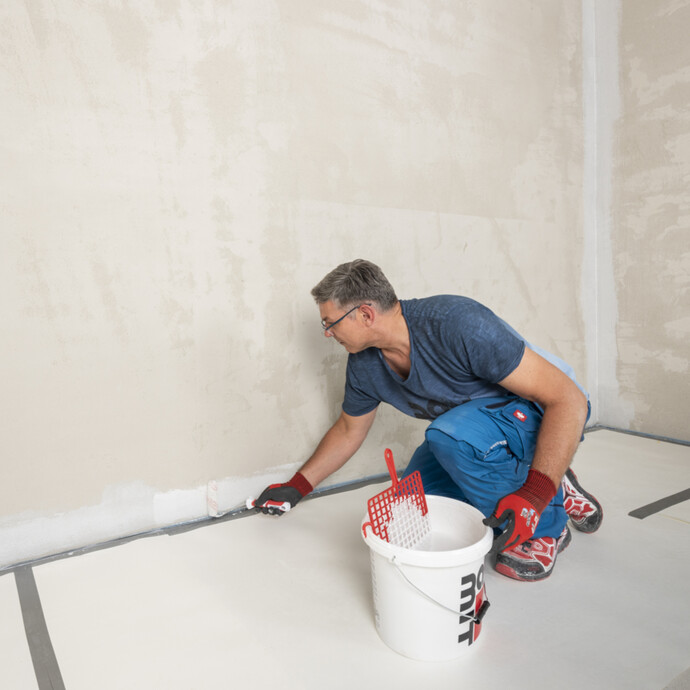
358 281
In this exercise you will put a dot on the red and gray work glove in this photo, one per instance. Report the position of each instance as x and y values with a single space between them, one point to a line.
279 498
521 510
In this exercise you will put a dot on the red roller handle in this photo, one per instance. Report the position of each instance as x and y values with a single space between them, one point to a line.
390 463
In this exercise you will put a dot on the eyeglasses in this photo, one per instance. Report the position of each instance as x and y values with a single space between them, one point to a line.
326 327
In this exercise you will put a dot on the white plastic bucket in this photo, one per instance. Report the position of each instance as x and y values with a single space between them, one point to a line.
427 599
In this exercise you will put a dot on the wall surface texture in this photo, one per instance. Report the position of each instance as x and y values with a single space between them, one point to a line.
651 219
177 176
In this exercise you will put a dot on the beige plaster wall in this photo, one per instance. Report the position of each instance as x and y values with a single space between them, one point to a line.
651 219
177 176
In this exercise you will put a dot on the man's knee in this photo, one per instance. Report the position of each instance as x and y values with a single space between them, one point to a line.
469 426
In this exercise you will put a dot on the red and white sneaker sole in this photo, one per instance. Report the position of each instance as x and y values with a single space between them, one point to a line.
533 560
583 509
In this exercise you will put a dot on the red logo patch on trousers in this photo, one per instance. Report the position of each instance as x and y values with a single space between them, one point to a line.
521 416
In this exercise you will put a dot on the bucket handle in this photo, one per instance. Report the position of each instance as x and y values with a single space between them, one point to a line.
477 618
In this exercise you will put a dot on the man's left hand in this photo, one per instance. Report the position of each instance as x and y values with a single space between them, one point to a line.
521 511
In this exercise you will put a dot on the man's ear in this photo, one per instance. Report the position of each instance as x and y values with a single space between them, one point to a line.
368 314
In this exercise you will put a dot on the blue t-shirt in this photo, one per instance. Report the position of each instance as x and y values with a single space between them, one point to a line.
459 350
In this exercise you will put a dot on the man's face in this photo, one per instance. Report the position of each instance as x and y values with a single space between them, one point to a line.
340 325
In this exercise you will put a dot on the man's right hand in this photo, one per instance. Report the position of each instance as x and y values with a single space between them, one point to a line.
277 499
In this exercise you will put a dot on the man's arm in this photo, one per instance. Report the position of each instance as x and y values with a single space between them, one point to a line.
339 444
565 412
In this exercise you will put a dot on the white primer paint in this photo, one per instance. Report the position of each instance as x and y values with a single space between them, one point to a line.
125 510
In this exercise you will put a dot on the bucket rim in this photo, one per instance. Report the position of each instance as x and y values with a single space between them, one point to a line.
434 559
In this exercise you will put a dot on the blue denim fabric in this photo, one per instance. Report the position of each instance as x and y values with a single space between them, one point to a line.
480 452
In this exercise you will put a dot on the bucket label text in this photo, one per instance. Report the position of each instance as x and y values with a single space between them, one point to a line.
471 598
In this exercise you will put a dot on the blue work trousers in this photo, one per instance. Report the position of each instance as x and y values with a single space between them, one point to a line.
480 452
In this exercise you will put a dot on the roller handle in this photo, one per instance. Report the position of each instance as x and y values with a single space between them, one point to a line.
390 463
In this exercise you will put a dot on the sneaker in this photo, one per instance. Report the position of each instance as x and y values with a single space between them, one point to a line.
583 509
534 559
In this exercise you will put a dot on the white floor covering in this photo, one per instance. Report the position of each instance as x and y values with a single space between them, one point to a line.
286 603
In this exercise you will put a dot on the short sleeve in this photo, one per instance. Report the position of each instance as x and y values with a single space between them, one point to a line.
482 340
357 401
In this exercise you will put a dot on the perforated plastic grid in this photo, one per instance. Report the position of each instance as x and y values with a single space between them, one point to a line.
398 515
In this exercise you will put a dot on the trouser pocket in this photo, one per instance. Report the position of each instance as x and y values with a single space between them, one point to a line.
519 421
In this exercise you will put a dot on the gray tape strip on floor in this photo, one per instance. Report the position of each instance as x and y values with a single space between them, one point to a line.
42 654
661 504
